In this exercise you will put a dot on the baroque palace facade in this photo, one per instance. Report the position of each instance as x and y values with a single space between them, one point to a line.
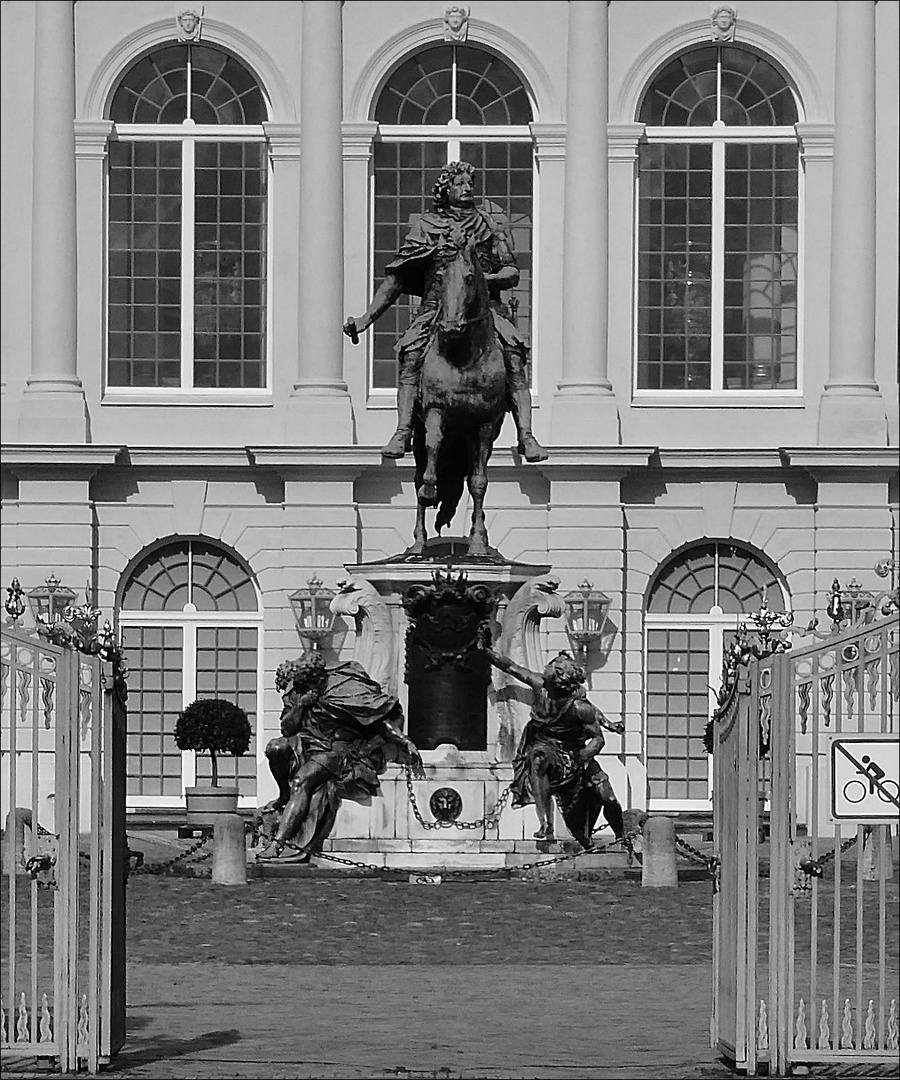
708 282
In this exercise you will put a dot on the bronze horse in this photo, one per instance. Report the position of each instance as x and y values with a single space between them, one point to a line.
462 402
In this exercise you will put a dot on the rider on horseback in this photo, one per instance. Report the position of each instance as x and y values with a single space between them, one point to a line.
433 240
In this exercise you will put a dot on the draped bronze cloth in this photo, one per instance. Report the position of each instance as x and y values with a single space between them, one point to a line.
340 730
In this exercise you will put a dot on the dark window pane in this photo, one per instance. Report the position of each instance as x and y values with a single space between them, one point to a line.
135 321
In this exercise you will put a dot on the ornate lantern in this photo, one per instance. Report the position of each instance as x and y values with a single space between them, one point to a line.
50 602
586 611
312 612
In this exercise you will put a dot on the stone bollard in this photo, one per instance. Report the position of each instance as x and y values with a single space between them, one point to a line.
229 865
878 863
658 867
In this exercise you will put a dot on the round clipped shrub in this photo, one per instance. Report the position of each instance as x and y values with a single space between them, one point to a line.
213 726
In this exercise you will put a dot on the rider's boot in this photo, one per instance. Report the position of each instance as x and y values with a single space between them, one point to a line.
399 442
529 447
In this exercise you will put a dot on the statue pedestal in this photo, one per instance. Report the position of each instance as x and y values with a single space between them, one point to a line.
468 770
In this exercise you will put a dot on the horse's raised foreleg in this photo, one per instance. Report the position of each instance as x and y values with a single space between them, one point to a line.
434 434
477 480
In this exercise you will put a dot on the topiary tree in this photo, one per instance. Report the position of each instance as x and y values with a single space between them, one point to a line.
213 726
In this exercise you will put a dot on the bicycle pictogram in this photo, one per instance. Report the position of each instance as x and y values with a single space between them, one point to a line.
886 790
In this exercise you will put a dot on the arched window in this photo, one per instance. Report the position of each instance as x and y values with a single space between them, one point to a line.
693 606
718 226
188 182
191 627
450 103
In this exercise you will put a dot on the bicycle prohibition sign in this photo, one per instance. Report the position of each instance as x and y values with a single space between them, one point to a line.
865 777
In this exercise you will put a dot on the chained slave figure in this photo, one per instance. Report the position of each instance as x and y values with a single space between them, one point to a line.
435 241
556 756
339 730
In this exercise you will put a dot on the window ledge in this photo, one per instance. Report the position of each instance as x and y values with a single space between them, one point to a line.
193 399
743 399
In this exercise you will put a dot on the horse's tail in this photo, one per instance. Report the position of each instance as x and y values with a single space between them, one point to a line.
453 466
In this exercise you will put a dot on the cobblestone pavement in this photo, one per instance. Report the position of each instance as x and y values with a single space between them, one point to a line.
328 977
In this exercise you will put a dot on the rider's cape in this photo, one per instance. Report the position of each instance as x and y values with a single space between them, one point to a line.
434 236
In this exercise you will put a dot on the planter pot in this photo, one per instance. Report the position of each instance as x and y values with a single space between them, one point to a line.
206 804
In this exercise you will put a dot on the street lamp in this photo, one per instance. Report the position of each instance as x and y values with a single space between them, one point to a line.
50 602
586 611
312 612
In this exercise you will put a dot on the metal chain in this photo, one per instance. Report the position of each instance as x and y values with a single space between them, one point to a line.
457 874
709 862
487 821
816 867
163 867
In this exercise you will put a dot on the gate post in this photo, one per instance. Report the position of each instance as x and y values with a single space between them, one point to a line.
781 837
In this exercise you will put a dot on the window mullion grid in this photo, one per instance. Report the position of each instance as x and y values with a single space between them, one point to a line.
717 327
187 263
189 692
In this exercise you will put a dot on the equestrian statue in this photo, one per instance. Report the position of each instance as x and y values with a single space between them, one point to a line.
463 364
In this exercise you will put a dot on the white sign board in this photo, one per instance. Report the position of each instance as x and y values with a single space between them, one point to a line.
864 770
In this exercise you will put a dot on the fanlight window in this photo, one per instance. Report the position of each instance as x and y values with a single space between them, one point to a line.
693 608
187 225
189 574
193 82
450 103
722 576
454 83
718 238
734 86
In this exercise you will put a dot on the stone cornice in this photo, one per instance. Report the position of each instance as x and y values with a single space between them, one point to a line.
358 138
190 457
816 141
283 140
623 141
821 459
549 141
62 462
92 138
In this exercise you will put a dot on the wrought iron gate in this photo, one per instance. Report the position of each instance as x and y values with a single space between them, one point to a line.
64 853
805 957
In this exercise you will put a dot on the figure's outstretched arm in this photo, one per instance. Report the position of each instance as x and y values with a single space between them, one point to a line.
388 291
531 678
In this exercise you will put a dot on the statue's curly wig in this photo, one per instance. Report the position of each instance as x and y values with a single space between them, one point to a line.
440 193
302 675
564 674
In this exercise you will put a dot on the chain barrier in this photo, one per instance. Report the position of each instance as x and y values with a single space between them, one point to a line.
709 862
490 819
815 868
457 875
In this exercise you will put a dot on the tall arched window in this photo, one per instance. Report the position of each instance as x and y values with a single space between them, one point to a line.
718 227
191 627
450 103
188 181
693 606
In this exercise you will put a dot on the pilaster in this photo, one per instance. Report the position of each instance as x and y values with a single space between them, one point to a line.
584 408
319 411
54 409
91 153
357 142
851 411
